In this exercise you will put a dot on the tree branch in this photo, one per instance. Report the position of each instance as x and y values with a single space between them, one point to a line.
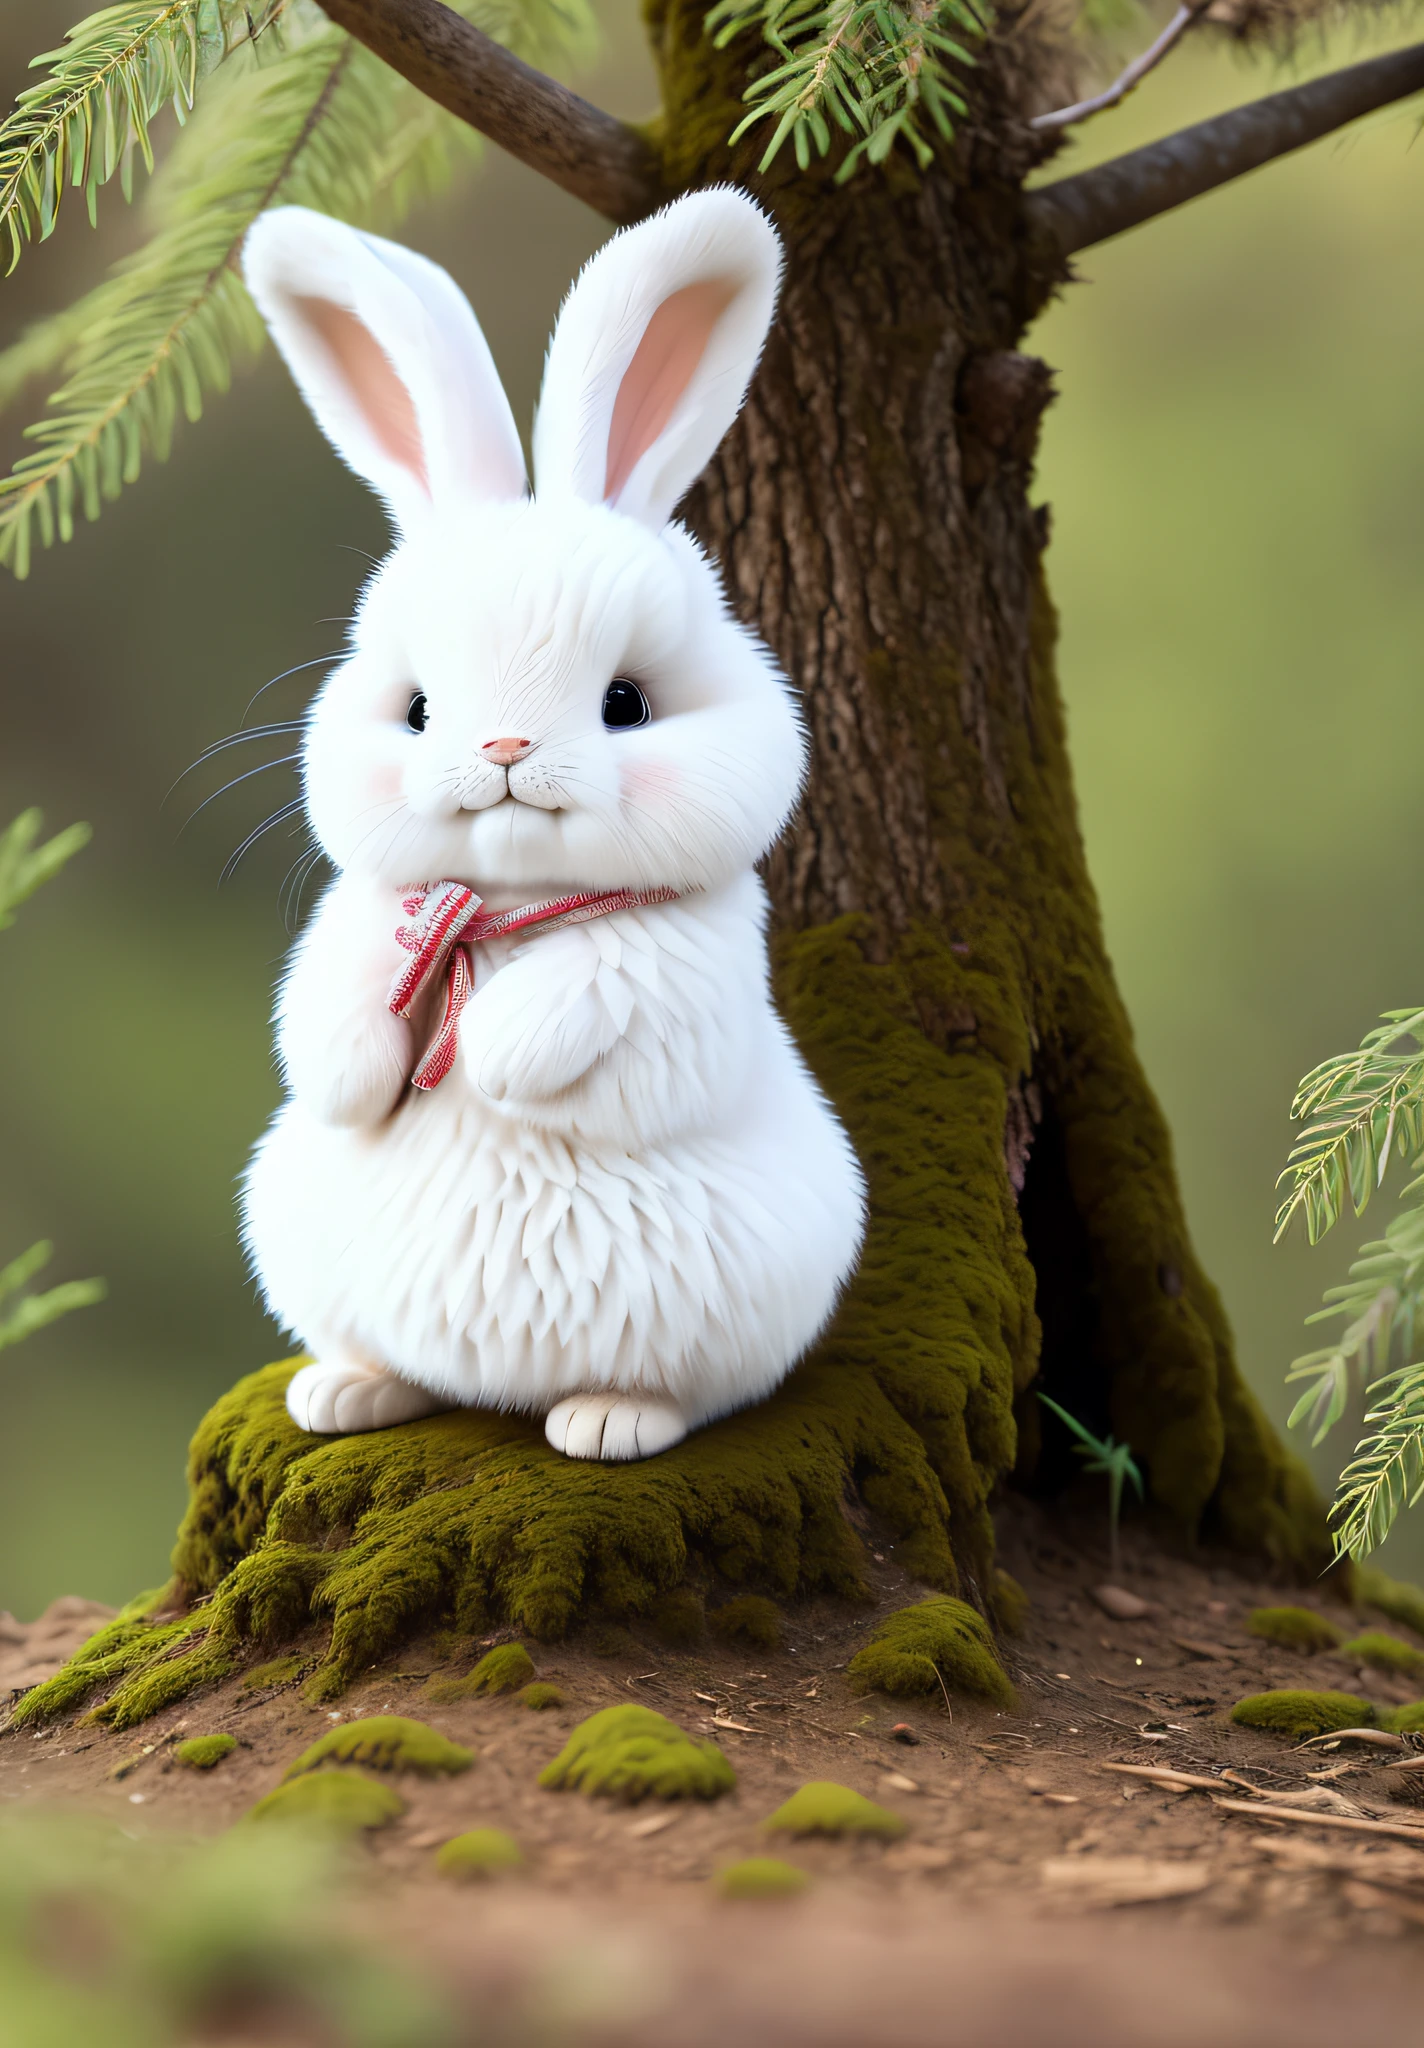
600 160
1066 117
1077 212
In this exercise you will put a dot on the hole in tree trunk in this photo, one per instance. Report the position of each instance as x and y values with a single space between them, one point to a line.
1066 1299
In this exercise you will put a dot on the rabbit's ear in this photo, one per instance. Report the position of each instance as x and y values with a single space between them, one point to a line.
390 358
653 352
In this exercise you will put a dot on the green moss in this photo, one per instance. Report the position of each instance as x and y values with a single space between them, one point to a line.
1385 1653
822 1808
503 1669
387 1742
1303 1714
614 1642
1011 1604
748 1619
760 1877
1294 1628
540 1697
1401 1602
127 1643
938 1641
632 1753
1406 1720
277 1671
482 1853
343 1802
678 1619
112 1937
204 1752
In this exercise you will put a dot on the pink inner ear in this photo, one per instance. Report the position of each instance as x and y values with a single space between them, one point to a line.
384 402
663 365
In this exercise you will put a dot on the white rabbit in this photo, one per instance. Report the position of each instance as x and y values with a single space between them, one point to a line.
628 1208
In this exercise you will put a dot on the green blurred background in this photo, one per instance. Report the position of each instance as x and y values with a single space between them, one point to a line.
1236 469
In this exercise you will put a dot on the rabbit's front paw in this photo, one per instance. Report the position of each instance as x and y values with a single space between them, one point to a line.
614 1427
341 1397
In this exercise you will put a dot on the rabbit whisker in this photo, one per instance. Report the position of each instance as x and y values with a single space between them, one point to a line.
277 818
317 661
256 732
282 761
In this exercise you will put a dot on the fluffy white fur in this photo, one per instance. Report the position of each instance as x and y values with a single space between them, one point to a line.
628 1208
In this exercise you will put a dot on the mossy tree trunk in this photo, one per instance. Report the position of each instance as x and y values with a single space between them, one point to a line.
873 516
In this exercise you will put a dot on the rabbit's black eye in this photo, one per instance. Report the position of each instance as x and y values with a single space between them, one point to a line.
624 705
417 715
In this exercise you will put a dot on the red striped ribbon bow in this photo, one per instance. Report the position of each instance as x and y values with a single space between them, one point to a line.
446 920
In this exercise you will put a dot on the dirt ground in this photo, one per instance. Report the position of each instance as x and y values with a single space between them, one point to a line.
1039 1896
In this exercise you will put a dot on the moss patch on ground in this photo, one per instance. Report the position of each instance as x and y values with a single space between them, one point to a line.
1385 1653
1406 1720
1395 1597
748 1619
479 1854
503 1669
1294 1628
540 1696
386 1742
678 1620
341 1802
632 1753
205 1752
760 1877
823 1808
1302 1714
937 1641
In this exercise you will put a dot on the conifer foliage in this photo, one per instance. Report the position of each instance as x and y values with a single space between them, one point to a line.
1360 1111
281 108
25 867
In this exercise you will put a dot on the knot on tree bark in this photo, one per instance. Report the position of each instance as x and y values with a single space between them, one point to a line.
1001 400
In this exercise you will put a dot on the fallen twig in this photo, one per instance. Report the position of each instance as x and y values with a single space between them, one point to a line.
1184 1780
1378 1738
1396 1830
1370 1864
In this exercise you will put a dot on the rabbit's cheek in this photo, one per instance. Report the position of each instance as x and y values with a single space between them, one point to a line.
387 783
649 785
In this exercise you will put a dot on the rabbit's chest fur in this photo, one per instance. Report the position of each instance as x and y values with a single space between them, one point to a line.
628 1179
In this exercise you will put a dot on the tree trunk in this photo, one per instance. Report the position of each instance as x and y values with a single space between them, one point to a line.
871 510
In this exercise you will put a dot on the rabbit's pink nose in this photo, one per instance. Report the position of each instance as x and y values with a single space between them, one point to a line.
506 751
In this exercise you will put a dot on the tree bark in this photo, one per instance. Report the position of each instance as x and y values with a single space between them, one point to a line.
872 512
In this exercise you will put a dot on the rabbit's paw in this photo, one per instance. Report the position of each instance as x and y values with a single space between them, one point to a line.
340 1397
611 1427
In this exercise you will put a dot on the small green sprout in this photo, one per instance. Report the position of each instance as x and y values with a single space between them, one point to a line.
1103 1454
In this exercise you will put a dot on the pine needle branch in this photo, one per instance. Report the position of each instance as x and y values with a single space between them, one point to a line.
21 1314
876 71
1358 1108
25 867
1386 1473
320 123
1381 1306
112 77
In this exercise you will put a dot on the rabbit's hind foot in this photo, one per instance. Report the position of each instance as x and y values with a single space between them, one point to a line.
342 1396
614 1427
